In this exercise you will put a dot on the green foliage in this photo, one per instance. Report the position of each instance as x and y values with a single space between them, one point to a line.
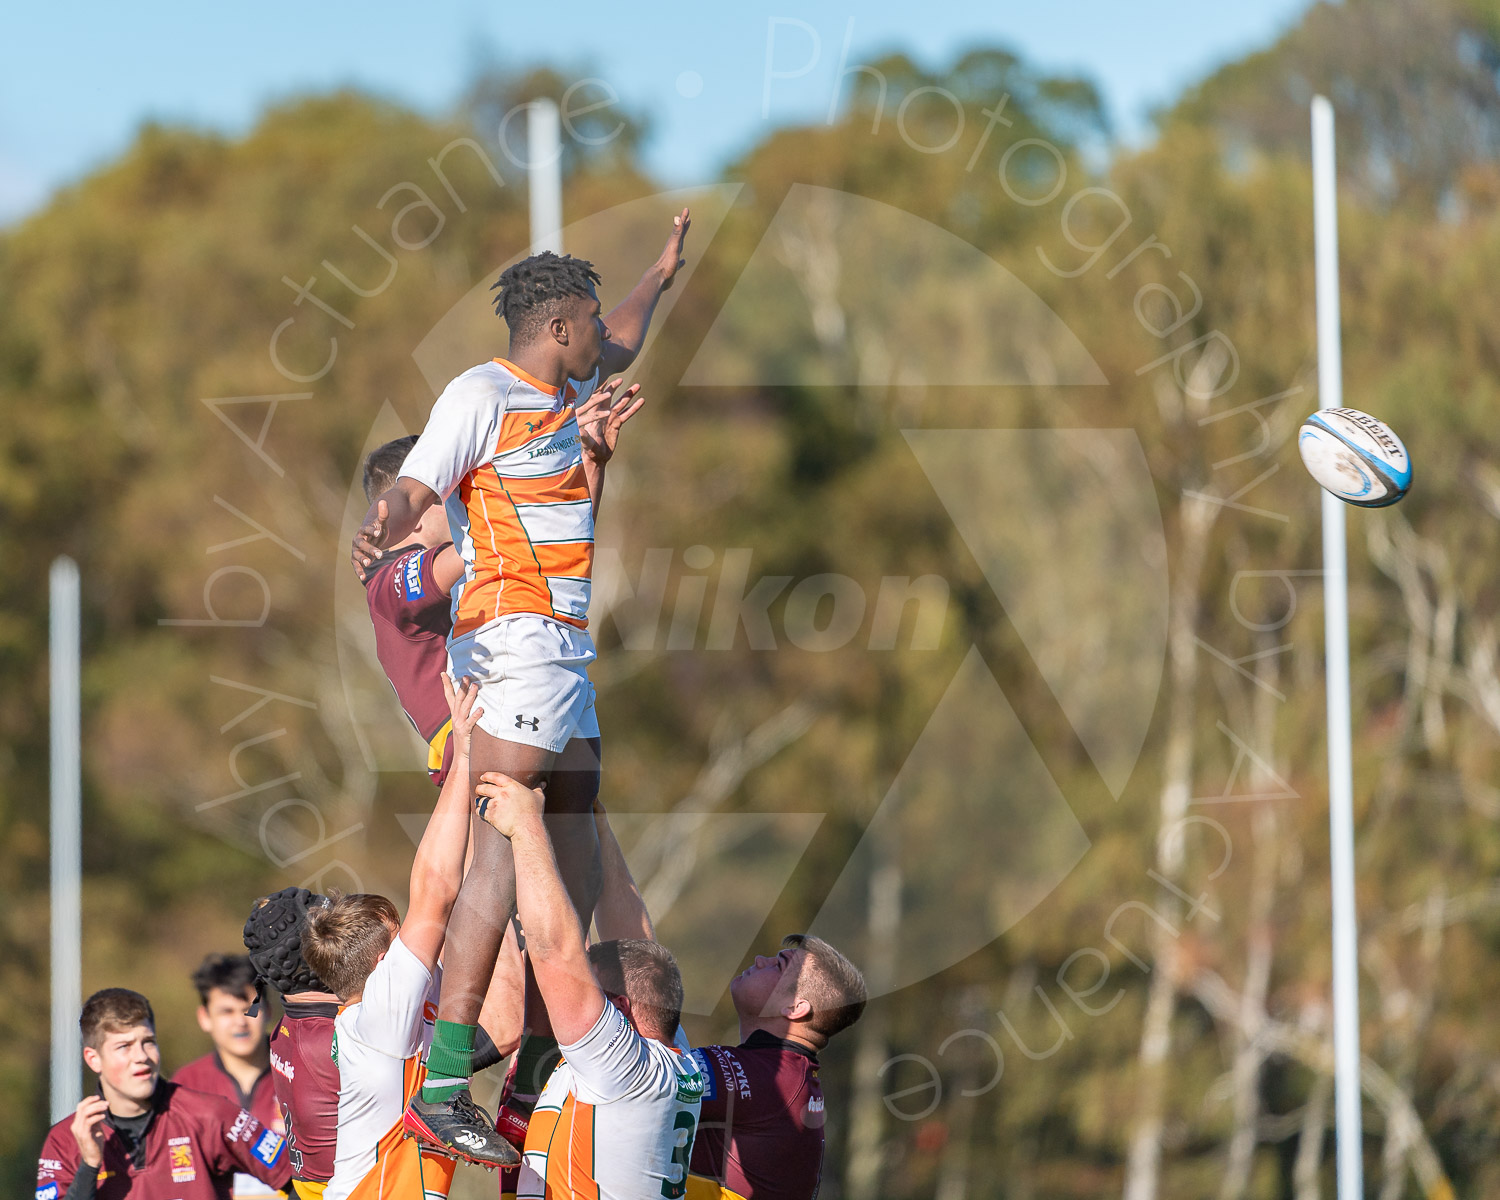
157 284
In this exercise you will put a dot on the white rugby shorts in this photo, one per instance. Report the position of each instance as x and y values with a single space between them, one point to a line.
533 679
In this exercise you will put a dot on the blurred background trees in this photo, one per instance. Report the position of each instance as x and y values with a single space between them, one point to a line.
1161 1012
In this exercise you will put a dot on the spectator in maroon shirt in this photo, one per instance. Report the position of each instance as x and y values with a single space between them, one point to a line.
238 1068
141 1137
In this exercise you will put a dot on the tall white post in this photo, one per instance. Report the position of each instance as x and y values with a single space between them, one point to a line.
544 175
1336 651
66 839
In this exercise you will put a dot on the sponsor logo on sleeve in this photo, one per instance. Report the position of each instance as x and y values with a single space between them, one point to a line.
48 1167
741 1081
411 577
243 1128
690 1086
710 1076
268 1147
49 1192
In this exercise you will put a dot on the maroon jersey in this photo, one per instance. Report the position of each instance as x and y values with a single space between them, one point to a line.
192 1147
760 1130
307 1085
208 1074
412 619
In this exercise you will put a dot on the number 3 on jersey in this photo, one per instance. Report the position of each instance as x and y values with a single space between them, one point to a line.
682 1151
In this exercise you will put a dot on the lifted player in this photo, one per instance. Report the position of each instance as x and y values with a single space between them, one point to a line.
408 590
503 450
145 1138
238 1068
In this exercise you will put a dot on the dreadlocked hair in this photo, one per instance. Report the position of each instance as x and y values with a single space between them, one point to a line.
532 290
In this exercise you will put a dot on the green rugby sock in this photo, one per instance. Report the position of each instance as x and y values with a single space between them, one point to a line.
449 1061
535 1059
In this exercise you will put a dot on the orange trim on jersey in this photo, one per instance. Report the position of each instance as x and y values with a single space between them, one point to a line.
567 1139
527 377
518 428
566 487
510 573
403 1170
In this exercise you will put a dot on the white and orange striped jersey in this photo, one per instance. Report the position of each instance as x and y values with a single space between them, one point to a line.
378 1045
616 1119
502 450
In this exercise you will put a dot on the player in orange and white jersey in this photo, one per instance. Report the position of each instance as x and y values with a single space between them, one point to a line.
617 1117
515 448
385 972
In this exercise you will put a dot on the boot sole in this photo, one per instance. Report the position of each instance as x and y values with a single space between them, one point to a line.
415 1128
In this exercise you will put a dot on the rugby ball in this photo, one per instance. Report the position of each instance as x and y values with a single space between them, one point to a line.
1355 456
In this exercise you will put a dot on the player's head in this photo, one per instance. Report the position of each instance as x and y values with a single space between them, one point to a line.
383 468
119 1043
226 989
549 301
344 942
273 937
645 977
809 986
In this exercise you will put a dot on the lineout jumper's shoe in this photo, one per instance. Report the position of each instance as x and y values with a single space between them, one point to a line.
459 1127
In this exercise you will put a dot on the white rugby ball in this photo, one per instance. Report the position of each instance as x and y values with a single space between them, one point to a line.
1355 456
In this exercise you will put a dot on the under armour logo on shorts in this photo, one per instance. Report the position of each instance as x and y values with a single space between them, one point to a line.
522 722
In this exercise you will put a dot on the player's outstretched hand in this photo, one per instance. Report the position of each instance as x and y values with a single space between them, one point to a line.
462 707
370 540
88 1129
671 260
603 414
504 803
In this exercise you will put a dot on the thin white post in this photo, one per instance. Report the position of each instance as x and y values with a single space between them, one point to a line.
1336 651
66 839
544 175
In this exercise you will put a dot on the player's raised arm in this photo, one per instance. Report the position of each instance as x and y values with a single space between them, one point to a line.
437 870
628 321
554 936
621 911
392 516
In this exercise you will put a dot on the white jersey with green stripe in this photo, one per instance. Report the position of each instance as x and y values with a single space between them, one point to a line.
616 1119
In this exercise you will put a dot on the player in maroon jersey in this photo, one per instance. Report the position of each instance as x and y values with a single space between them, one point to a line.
760 1131
303 1074
238 1068
409 607
141 1137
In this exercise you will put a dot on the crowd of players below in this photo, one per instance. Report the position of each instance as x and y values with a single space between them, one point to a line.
260 1117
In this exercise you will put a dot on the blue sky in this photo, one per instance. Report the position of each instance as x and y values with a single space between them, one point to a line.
78 80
